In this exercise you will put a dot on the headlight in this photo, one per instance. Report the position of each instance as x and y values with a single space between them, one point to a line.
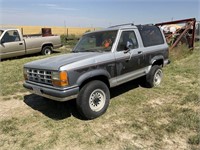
60 78
55 76
25 74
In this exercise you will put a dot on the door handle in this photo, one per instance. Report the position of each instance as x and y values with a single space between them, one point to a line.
139 52
20 43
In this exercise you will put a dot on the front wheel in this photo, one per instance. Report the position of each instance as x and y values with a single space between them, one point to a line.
93 99
154 77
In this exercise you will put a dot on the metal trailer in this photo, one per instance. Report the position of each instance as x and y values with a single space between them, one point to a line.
186 34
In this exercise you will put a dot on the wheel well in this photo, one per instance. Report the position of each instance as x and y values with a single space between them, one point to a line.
100 78
51 45
158 62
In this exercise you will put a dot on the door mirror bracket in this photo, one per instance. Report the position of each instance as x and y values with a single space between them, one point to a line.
128 47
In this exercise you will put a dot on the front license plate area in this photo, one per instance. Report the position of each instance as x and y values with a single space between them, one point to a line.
37 90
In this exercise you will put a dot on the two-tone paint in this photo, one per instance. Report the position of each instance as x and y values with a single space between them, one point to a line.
113 68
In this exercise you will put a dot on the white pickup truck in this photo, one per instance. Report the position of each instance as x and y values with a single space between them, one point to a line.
12 44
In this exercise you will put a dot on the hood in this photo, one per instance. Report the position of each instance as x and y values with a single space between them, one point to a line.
54 63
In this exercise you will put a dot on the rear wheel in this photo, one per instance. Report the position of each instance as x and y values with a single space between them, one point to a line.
93 99
154 77
46 50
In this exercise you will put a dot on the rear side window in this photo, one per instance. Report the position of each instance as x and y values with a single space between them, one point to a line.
151 35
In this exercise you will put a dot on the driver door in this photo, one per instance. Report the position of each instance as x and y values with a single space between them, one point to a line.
128 59
11 44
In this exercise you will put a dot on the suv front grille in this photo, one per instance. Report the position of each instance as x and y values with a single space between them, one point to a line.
41 76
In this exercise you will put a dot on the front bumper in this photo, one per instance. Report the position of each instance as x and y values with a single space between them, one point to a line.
51 93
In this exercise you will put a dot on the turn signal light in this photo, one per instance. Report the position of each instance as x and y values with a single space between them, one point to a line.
25 74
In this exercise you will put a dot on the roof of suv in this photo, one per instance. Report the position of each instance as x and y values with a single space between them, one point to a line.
120 27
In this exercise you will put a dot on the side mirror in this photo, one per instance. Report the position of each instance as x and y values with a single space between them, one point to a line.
2 41
128 46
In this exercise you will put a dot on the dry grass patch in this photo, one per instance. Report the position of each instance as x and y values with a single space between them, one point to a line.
166 117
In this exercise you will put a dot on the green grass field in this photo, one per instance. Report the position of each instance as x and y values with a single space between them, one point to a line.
166 117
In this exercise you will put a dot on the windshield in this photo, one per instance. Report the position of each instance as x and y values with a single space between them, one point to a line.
96 42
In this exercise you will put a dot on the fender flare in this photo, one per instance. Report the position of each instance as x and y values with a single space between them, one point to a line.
46 44
92 74
155 58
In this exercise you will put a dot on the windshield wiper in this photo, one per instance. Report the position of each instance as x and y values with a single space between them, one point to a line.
100 51
75 51
91 50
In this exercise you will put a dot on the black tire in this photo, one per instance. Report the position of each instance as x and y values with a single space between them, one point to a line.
46 50
93 99
154 77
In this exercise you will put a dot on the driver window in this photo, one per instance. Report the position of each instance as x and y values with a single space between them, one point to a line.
127 36
11 36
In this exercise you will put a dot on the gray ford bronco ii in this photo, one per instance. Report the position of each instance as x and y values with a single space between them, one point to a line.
100 60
